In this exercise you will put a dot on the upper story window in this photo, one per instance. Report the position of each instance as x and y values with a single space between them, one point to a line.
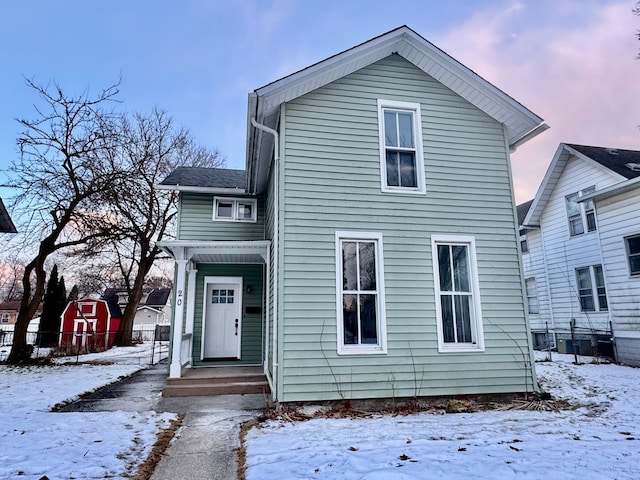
5 318
457 293
360 293
235 209
401 156
591 289
582 215
633 254
524 245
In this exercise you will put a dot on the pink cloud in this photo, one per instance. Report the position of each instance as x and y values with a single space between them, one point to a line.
576 68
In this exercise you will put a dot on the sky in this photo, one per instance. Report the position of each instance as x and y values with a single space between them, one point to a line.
572 62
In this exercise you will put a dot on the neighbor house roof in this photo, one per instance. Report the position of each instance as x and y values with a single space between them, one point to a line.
523 208
264 103
6 224
624 164
202 179
156 297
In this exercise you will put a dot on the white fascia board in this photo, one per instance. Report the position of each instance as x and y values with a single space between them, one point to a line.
194 189
546 187
612 190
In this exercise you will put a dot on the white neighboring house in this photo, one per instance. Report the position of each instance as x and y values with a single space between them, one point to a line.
154 308
580 240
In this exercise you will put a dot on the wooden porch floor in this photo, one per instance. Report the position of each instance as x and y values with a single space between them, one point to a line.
218 380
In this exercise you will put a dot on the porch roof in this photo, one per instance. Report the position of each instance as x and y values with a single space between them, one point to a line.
247 251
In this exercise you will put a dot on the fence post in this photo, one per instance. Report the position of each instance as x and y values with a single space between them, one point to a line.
574 345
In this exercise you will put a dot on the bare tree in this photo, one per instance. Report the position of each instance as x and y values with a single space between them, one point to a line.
151 147
11 271
63 170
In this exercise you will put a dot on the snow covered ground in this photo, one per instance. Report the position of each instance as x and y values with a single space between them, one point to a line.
35 442
597 440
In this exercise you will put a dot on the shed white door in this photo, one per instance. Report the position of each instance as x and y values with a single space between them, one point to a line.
222 320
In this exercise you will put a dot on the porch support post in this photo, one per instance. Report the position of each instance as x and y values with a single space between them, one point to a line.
191 298
175 369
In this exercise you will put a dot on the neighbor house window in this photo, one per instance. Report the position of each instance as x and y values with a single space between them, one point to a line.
524 246
5 318
457 293
401 157
591 289
360 293
532 296
235 209
581 215
633 254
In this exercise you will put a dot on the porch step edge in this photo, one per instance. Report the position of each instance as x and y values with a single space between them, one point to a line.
212 389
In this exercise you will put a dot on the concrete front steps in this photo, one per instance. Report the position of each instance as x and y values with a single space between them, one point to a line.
223 380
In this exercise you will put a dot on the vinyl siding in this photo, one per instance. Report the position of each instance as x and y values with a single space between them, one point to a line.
331 182
251 340
617 219
196 221
565 253
533 263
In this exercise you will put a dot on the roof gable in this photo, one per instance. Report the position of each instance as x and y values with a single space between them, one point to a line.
613 160
520 123
6 224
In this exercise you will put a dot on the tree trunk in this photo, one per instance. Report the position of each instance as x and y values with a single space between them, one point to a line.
124 336
20 351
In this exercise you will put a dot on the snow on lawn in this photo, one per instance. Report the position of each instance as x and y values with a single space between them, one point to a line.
35 441
598 440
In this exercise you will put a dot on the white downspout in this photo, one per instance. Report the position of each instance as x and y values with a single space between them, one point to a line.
276 231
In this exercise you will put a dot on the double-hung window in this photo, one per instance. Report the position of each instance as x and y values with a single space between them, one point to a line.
360 293
581 215
457 293
591 289
633 254
532 296
235 209
401 156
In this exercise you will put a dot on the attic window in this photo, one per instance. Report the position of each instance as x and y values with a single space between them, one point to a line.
634 167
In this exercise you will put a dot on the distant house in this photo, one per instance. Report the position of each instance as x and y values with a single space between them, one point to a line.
370 248
6 224
154 307
580 241
90 324
9 312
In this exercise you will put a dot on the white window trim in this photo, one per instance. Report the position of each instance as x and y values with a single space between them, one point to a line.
628 255
594 289
417 127
91 312
236 202
381 347
476 326
583 211
530 296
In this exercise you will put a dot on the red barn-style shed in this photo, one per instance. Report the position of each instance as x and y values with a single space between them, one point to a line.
90 324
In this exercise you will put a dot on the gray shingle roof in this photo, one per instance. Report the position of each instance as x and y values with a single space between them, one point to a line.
614 159
523 209
6 224
207 177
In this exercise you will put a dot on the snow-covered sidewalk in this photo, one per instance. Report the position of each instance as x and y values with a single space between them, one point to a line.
35 442
598 440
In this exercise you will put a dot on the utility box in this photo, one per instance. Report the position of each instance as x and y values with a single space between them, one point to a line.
582 347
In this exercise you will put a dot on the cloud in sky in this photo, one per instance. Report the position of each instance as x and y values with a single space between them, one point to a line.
574 65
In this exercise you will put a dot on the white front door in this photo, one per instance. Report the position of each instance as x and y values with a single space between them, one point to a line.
222 319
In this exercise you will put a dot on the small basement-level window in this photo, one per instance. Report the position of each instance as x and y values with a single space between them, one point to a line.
457 293
360 293
235 209
401 156
633 254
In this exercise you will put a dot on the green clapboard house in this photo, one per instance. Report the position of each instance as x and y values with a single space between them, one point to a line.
370 249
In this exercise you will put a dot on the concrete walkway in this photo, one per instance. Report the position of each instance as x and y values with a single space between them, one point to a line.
206 444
